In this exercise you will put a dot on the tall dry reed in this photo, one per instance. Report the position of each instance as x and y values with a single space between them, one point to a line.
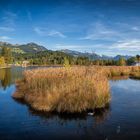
72 90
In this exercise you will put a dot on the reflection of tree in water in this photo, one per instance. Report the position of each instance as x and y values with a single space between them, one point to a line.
2 74
5 77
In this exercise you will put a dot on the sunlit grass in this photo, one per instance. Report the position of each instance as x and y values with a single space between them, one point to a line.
72 90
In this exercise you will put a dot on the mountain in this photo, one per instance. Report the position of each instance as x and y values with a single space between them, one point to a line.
24 48
94 56
122 56
86 54
34 48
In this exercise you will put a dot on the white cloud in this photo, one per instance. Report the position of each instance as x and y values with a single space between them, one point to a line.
127 45
56 33
5 38
46 32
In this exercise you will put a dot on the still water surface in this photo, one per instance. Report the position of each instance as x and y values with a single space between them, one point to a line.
121 120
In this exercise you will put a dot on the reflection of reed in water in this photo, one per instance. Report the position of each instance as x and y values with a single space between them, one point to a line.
101 115
5 77
80 119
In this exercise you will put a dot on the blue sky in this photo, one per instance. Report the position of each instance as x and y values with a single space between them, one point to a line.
108 27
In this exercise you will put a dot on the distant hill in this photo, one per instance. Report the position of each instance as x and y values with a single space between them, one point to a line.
24 48
86 54
122 56
94 56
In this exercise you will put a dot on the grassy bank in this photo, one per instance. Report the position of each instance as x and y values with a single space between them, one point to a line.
72 90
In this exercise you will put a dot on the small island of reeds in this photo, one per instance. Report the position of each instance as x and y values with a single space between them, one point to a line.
71 90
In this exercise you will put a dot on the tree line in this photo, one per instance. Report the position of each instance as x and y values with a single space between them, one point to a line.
58 58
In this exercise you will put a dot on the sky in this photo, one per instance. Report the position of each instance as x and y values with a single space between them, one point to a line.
106 27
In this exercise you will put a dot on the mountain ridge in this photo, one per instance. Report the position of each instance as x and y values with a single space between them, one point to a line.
94 56
34 48
24 48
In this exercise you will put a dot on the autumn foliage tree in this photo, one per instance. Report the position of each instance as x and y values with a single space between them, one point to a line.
6 54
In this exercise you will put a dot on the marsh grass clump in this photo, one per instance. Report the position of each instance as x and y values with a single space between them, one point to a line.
116 71
72 90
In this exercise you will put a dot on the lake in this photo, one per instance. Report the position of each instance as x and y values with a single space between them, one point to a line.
119 121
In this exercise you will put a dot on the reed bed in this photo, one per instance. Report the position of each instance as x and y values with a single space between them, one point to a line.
71 90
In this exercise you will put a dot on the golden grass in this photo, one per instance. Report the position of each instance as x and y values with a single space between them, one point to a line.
72 90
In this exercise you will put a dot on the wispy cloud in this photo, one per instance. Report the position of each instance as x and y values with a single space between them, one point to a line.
9 18
98 31
56 33
6 29
132 45
115 32
129 47
5 38
51 33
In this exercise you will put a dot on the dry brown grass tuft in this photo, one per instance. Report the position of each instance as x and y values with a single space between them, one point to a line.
71 90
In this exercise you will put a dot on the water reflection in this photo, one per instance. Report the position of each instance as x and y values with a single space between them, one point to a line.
8 76
5 78
100 115
119 120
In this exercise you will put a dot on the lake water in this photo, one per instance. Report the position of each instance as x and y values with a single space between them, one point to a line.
121 120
